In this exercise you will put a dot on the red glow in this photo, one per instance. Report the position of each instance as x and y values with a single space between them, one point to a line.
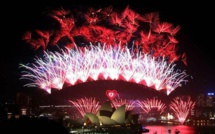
182 107
111 94
149 104
85 105
108 43
109 27
129 104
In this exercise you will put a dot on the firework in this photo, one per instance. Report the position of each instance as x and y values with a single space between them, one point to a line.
85 105
129 104
110 27
182 107
149 104
135 47
101 63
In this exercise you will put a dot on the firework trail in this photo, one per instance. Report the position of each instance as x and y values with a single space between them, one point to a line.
182 107
85 105
129 104
106 26
119 45
150 104
56 69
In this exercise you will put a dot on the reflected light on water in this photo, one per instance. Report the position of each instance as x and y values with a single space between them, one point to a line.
164 129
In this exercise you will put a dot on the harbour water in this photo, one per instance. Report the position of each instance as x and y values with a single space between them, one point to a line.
182 128
156 129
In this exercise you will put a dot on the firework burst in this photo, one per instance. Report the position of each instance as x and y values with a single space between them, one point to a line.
109 27
100 63
182 107
149 104
85 105
105 44
129 104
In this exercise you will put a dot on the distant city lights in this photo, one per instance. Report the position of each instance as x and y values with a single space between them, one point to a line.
211 94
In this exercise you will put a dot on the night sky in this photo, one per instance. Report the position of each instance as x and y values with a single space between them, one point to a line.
196 37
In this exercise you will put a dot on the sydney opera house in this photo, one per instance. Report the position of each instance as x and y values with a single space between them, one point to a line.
108 119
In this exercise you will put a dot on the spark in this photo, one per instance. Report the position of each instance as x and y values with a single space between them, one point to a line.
182 107
71 66
129 104
110 27
149 104
135 48
85 105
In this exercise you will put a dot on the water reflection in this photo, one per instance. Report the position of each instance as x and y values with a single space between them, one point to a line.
165 129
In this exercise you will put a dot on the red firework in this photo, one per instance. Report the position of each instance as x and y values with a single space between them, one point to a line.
129 104
150 104
182 107
85 105
145 32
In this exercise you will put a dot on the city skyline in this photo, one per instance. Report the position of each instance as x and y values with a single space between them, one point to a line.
194 39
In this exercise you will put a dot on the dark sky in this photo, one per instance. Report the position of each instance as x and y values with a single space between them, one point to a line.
196 36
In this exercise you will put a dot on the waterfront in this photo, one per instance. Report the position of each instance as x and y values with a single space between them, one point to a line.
182 128
153 129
